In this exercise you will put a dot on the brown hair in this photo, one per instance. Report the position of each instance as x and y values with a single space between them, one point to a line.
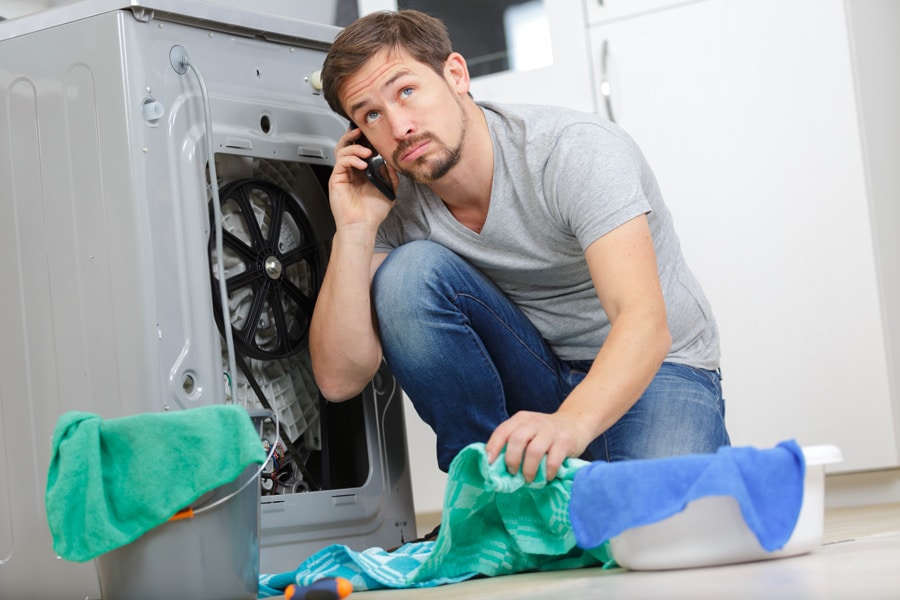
422 36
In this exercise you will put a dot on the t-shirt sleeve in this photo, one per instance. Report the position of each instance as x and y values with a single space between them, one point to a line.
389 234
594 180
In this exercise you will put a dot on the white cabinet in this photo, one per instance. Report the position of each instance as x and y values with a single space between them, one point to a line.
771 126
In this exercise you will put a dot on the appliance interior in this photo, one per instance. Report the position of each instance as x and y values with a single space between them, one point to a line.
113 302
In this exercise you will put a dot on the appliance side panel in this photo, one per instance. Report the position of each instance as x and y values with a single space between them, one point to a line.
23 328
71 302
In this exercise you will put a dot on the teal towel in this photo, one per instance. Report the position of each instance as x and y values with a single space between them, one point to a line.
111 481
493 523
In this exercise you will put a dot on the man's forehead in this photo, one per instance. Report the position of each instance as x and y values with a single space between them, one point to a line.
377 72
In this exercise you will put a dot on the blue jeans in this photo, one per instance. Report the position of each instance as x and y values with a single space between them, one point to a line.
468 358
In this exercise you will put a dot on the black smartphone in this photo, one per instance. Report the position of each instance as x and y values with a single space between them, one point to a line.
376 169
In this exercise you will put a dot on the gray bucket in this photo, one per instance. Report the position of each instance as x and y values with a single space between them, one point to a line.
213 555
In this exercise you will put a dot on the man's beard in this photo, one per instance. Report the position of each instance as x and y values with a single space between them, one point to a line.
428 170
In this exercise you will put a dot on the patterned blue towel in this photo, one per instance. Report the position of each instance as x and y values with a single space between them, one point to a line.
493 523
370 569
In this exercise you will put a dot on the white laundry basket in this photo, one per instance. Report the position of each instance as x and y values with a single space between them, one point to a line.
711 530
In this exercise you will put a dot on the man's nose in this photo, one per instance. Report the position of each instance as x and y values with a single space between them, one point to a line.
402 125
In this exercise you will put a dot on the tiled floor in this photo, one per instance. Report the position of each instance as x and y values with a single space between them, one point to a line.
859 559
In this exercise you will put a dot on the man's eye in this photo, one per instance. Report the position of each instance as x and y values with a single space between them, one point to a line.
405 92
371 116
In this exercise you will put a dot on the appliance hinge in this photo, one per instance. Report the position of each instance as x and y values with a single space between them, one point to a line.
142 14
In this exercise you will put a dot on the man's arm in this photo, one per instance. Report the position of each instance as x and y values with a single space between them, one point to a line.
623 267
343 338
343 341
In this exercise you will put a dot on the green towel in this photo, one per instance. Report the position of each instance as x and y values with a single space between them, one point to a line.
495 523
111 481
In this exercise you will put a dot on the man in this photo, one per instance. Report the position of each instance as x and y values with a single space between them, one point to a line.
526 288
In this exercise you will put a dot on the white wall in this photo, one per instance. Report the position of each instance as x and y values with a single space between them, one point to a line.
428 482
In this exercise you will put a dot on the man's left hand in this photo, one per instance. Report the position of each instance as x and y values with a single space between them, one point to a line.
530 436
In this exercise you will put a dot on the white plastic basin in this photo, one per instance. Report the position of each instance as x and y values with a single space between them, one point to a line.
711 531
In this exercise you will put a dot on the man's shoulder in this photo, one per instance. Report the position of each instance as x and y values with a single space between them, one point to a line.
528 120
514 111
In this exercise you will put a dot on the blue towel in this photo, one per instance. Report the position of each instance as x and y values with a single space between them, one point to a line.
608 498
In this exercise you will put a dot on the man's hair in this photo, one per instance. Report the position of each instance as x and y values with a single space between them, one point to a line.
422 36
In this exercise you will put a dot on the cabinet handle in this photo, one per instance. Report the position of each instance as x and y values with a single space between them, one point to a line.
605 86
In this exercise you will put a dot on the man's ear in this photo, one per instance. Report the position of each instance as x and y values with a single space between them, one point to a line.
457 73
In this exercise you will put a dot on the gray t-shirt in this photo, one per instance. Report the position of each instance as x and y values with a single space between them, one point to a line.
562 179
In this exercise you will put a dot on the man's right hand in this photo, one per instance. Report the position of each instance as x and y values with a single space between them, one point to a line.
354 200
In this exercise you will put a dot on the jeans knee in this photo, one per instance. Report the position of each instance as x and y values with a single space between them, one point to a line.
411 274
410 286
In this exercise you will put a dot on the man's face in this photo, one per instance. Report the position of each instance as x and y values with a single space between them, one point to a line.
410 113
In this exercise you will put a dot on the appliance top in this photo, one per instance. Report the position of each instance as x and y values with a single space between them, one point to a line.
206 15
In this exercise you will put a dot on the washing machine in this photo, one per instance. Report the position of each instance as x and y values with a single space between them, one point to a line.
164 232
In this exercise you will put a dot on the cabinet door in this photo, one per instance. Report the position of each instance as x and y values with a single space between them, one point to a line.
599 11
746 110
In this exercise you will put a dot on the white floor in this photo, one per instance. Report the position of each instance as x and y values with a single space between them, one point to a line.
859 559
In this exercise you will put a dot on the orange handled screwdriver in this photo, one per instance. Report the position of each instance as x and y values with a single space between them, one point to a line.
329 588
